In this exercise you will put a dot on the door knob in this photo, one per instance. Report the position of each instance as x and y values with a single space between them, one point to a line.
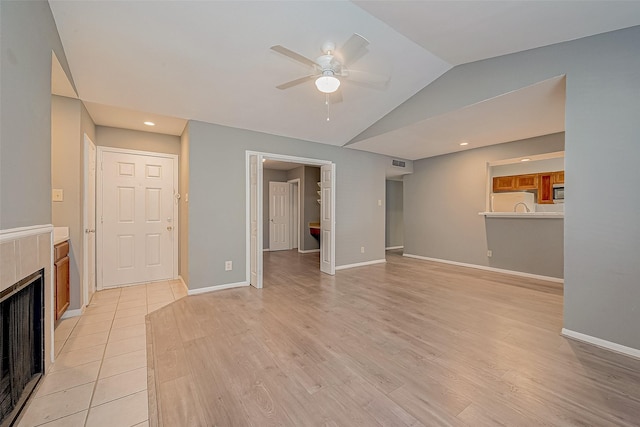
169 228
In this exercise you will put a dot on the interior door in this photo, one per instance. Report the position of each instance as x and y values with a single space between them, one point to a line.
327 220
279 214
254 215
90 220
137 230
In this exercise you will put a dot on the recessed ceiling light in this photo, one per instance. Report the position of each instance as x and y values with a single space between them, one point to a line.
526 159
149 123
464 143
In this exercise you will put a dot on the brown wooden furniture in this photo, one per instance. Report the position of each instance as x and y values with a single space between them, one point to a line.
61 271
504 183
558 177
541 182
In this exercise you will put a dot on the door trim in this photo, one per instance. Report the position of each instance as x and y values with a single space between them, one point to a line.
99 178
295 222
85 220
284 158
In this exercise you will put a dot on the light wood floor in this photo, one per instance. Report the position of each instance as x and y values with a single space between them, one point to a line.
408 342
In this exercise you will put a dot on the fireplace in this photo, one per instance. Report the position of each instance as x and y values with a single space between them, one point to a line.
26 301
21 344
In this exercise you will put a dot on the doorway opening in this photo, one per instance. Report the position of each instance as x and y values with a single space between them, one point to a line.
278 222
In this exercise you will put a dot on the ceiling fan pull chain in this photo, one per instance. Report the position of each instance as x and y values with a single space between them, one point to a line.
326 101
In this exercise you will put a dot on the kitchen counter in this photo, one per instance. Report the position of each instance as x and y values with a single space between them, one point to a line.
538 215
60 234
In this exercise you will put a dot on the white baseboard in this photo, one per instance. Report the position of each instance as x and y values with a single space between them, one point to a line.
493 269
266 250
607 345
393 247
309 251
72 313
360 264
217 288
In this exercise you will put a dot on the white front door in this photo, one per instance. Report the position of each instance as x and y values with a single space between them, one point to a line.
327 219
89 220
279 222
138 218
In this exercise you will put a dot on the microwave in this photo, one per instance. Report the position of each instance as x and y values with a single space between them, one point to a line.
558 194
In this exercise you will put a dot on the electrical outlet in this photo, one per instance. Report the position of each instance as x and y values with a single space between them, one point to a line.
361 249
228 265
489 253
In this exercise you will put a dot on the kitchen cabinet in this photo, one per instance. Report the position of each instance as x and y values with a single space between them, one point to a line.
61 274
558 177
545 188
527 182
541 182
504 183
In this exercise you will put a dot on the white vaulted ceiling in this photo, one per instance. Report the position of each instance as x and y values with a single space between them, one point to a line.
210 60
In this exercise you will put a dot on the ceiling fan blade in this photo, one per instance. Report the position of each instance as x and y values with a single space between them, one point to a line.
364 78
293 55
353 49
296 82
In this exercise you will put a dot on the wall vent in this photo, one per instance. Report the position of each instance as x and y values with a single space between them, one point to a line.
399 163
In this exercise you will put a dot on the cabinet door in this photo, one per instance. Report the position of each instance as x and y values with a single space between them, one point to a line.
62 286
504 183
545 188
558 177
527 182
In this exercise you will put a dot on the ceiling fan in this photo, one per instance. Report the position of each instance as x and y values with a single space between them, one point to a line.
331 68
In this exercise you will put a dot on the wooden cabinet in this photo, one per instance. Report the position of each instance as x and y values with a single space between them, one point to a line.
527 182
61 272
558 177
541 182
504 183
545 188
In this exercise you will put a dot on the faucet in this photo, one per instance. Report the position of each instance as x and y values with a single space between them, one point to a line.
515 207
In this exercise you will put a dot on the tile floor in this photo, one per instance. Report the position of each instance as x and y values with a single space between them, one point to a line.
99 377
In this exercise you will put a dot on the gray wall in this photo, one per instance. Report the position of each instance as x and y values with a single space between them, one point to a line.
28 34
268 175
69 122
602 232
394 207
183 210
137 140
220 221
442 199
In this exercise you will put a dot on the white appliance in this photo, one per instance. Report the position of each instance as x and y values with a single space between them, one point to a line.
517 201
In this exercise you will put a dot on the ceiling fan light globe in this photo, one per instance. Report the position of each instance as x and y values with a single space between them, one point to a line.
327 84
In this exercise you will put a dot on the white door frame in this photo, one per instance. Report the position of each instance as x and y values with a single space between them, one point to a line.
295 220
99 229
85 219
285 158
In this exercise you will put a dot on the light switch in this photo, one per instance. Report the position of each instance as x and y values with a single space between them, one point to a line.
379 202
57 195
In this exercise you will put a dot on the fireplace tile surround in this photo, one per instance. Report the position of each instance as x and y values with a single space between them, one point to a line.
22 252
